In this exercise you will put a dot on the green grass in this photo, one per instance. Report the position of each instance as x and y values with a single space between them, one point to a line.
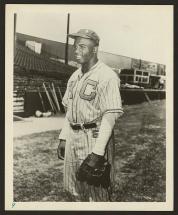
140 154
140 159
37 170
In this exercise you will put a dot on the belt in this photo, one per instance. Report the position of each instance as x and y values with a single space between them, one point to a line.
82 126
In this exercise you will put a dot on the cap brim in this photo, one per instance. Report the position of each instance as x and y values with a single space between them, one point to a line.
74 35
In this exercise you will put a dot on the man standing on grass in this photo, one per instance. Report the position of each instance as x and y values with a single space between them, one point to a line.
93 105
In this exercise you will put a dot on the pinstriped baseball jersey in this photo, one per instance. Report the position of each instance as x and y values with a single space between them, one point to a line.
88 97
91 95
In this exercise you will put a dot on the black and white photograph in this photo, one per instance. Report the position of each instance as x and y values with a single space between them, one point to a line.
89 107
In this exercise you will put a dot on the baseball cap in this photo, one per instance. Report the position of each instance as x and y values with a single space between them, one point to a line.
86 33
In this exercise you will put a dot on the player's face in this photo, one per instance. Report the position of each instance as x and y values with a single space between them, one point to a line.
83 50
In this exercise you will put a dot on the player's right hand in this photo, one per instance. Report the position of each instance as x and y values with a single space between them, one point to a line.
61 149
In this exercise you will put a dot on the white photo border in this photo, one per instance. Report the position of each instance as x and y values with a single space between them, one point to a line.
77 206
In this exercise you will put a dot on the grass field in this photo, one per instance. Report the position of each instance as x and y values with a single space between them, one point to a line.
140 159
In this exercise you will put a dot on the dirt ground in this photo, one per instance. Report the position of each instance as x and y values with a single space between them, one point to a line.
140 159
33 125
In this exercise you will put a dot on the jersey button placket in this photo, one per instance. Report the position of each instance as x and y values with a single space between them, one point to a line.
80 82
74 104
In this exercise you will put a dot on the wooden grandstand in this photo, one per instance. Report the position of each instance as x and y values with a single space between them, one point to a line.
31 70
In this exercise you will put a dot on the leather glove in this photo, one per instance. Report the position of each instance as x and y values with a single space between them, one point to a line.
95 170
61 149
95 160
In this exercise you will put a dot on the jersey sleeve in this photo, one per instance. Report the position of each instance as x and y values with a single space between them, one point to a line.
65 97
110 99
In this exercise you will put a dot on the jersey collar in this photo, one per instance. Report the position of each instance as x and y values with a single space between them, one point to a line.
80 75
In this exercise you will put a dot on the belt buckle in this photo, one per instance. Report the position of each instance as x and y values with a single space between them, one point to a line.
82 126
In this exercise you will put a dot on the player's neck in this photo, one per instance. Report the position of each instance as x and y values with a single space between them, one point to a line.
87 66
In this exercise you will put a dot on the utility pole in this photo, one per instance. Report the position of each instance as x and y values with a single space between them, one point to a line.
67 39
15 21
140 63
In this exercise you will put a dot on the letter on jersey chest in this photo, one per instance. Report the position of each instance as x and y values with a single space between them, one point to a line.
88 90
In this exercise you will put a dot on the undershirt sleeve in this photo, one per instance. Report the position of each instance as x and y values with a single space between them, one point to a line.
107 125
65 129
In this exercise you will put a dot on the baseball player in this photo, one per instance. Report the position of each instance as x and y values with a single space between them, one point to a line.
93 104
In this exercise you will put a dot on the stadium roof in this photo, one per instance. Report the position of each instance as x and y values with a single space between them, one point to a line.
28 60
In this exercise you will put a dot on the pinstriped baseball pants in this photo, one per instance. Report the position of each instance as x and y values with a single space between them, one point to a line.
78 145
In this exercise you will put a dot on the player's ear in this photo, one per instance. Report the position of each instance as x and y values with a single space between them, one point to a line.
95 49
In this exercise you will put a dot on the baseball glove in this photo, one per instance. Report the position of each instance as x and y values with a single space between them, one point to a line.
95 170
